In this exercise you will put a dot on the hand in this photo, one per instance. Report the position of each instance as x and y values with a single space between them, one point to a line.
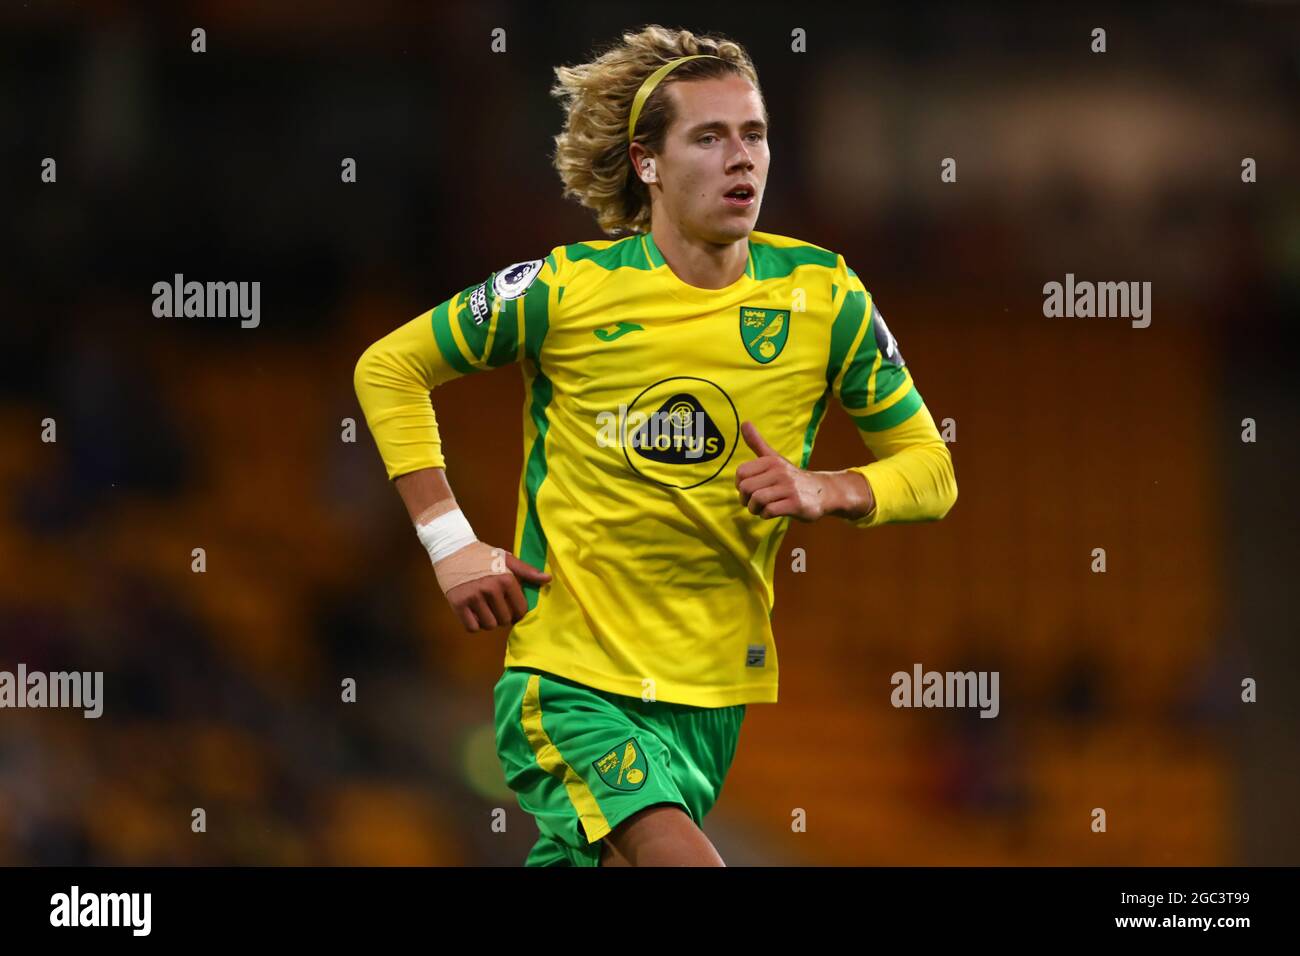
773 487
492 599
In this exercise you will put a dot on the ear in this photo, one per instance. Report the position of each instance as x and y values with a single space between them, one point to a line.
643 163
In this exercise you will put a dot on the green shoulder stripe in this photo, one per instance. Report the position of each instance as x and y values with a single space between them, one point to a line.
537 319
533 546
771 262
630 252
843 330
446 341
895 414
489 327
810 434
853 390
505 341
889 379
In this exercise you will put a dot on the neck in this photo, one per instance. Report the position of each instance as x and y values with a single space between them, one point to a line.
705 265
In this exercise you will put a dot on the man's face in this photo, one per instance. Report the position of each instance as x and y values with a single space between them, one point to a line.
717 143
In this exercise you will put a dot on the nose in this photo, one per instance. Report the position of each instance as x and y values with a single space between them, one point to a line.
740 157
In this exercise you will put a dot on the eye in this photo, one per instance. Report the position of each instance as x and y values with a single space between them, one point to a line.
707 136
755 136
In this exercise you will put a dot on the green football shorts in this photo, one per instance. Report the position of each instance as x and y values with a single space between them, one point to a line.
582 760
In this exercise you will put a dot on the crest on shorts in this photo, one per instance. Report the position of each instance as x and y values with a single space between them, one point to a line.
624 767
764 332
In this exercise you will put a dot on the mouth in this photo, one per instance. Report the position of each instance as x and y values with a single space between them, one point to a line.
741 196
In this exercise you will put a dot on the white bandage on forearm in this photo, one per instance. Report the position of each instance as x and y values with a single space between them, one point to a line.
444 534
458 556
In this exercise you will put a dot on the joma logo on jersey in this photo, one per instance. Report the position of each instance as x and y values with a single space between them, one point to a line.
764 332
622 329
624 767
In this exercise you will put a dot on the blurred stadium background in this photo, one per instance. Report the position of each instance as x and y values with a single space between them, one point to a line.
222 689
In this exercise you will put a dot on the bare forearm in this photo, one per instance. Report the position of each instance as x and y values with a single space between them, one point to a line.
846 494
422 489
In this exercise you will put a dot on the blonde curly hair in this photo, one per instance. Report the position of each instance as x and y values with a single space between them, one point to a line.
591 152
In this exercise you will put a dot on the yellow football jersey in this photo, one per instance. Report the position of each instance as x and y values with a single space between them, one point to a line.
636 386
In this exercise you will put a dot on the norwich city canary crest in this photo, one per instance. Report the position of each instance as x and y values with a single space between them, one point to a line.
624 767
764 332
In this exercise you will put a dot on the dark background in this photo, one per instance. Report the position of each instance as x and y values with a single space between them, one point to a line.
222 689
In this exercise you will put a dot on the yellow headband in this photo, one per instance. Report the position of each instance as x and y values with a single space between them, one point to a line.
651 82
